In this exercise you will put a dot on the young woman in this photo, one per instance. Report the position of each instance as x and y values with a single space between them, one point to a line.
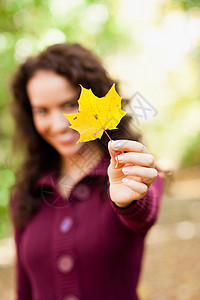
79 227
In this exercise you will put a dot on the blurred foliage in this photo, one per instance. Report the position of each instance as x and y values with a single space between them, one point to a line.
186 4
191 154
27 26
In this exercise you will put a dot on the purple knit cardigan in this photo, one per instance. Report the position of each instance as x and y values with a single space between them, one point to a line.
83 247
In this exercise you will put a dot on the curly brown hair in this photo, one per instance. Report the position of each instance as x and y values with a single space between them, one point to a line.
79 66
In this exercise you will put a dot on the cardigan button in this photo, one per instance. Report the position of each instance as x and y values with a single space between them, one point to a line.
65 263
66 224
82 191
70 297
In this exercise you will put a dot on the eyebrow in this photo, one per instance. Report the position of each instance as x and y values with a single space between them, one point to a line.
72 100
69 101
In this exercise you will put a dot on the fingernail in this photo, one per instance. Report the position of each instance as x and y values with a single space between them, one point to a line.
125 180
120 157
126 170
116 144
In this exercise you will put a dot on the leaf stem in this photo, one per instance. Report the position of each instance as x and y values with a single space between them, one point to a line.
111 141
107 135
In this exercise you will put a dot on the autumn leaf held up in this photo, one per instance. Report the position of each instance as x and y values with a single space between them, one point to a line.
95 115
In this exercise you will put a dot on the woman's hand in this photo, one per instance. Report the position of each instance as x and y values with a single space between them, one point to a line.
129 184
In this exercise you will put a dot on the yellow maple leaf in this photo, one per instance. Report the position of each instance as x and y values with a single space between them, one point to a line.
95 115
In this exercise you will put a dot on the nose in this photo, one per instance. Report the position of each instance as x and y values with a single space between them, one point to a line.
59 122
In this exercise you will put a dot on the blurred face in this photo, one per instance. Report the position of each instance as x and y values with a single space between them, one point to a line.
50 96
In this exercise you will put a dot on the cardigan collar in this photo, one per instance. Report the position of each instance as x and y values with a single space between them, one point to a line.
49 178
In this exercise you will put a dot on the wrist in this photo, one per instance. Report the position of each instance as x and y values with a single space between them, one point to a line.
125 205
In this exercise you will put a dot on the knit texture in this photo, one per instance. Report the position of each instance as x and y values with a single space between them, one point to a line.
83 247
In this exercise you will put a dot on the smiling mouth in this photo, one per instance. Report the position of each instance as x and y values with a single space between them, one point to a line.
66 138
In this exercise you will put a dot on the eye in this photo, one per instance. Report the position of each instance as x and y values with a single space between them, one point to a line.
40 111
71 105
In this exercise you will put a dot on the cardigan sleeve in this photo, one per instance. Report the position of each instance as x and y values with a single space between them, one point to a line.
141 214
22 283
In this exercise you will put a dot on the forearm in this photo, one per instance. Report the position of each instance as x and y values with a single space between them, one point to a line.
141 214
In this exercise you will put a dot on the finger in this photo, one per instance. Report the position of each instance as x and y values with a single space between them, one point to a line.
127 145
141 159
113 154
136 186
146 173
